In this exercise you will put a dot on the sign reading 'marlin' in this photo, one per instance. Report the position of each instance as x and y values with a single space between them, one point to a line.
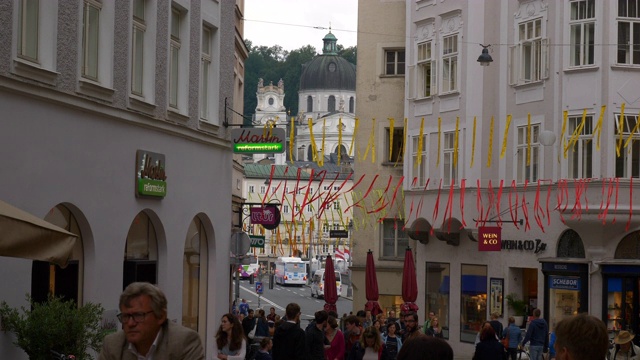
151 178
258 140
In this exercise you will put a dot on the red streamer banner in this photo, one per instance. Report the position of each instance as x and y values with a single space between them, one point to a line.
437 205
462 191
498 200
513 212
479 206
525 209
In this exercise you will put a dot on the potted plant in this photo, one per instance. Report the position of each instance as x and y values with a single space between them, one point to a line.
56 325
518 306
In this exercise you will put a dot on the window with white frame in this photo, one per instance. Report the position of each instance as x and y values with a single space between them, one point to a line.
28 29
285 209
580 153
628 163
174 58
450 166
528 163
529 57
426 70
138 47
205 64
262 189
418 171
251 189
450 63
297 207
336 205
90 39
394 62
628 32
325 227
309 209
394 239
582 24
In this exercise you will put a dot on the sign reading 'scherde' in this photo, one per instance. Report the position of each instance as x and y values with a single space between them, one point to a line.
258 140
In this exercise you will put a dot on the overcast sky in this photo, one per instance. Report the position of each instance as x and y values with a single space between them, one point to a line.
290 23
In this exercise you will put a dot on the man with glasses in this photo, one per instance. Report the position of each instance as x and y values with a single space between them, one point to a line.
147 334
411 326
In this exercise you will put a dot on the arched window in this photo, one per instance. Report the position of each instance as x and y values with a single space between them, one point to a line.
332 104
352 105
47 278
310 153
629 247
309 103
570 245
194 281
141 252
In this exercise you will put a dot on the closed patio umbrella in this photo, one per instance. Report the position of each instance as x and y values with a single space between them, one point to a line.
409 283
330 287
371 286
27 236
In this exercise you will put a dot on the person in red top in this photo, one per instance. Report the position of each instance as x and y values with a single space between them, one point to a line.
335 337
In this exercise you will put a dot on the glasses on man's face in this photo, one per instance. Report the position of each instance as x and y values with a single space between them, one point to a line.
137 316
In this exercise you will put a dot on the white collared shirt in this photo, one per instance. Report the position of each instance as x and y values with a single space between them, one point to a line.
151 351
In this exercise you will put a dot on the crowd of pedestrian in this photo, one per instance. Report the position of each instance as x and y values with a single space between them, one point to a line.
250 334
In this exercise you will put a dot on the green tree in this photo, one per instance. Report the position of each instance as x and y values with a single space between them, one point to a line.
350 54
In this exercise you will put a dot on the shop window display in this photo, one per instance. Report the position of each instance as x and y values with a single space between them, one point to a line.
437 294
473 300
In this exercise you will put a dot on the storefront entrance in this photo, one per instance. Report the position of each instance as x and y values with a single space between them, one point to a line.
621 296
566 290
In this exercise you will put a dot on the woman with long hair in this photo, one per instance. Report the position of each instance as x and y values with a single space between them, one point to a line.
392 343
335 337
434 328
231 343
262 329
370 346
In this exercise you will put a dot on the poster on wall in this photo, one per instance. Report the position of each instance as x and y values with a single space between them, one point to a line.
495 300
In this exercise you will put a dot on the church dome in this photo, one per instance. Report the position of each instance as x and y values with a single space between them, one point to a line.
329 70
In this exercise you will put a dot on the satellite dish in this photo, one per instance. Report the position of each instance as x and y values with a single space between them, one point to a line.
239 244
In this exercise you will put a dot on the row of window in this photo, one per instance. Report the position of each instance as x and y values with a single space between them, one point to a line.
529 56
300 191
331 104
578 145
36 22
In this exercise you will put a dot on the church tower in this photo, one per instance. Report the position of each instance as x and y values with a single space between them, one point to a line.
270 110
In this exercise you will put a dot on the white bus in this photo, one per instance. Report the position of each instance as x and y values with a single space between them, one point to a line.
291 271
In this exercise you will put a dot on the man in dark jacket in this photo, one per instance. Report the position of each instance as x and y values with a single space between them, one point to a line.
288 338
315 338
248 323
538 335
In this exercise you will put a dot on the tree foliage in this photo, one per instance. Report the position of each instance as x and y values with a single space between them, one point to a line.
56 325
274 63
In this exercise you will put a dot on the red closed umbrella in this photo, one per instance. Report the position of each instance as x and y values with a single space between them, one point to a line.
371 286
409 283
330 286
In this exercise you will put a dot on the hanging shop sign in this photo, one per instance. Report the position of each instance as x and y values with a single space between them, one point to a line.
151 177
258 140
267 216
489 238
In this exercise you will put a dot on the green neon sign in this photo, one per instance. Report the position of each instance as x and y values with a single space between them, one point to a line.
262 148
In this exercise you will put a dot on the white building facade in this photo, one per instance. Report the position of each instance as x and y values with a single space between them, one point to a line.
563 70
99 98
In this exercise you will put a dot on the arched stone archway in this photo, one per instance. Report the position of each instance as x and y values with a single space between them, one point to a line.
194 277
141 250
570 245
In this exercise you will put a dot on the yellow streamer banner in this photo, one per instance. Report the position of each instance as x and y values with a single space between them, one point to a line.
598 128
418 160
339 139
353 139
490 149
291 139
473 142
576 133
404 143
391 123
563 140
439 136
455 145
314 148
633 132
528 139
324 131
620 130
506 137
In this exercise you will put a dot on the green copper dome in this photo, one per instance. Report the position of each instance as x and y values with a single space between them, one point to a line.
328 71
